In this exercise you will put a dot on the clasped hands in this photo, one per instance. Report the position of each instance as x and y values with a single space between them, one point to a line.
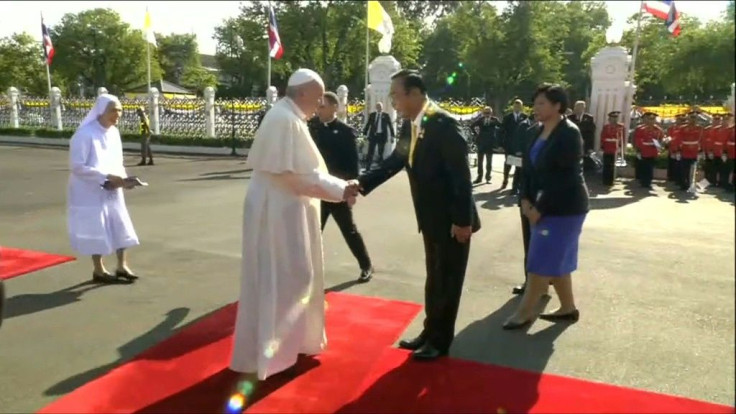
351 192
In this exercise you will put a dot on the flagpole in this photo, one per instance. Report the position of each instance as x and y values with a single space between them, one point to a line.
367 56
268 49
630 89
48 70
148 54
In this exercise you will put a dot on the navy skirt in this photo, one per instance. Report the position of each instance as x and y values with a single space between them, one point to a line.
553 246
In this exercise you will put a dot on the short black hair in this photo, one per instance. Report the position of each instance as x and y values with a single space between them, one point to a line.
410 79
330 97
554 93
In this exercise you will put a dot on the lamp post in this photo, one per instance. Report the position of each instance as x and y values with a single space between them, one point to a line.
237 41
80 85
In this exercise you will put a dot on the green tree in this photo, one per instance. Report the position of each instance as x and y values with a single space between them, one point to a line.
198 78
98 47
177 54
21 65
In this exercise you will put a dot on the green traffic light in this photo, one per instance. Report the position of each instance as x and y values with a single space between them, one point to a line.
450 80
460 64
454 74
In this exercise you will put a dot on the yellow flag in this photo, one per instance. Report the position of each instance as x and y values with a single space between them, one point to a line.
148 30
380 21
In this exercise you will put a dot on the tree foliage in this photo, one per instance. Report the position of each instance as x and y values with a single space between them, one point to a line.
22 66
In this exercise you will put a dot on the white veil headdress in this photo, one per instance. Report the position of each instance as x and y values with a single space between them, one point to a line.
99 108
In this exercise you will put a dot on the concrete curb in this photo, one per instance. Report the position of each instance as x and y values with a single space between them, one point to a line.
155 148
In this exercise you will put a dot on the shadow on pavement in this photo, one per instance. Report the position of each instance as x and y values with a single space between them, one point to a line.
496 199
38 302
126 351
341 286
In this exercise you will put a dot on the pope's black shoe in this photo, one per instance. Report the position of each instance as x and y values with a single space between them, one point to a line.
412 344
427 353
518 290
365 275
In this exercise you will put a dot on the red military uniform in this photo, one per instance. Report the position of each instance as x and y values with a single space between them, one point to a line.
718 142
730 143
644 138
674 133
709 141
611 137
690 139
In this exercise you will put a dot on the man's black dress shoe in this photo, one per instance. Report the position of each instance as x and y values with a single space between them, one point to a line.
365 275
427 353
565 317
412 344
518 290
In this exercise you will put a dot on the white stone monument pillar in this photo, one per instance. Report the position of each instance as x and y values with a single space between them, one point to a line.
14 105
379 74
101 91
609 70
342 103
56 108
209 112
153 96
733 98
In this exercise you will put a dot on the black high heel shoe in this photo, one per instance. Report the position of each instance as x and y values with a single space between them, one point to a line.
126 275
508 326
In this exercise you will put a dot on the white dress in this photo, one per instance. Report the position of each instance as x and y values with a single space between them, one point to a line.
98 220
281 307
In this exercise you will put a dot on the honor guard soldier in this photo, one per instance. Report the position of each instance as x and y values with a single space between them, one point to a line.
689 149
709 144
611 139
647 143
486 130
729 153
673 132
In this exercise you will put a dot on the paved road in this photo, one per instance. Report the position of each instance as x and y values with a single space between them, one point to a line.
655 285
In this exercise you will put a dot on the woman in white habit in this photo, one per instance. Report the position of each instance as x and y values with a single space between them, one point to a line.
98 220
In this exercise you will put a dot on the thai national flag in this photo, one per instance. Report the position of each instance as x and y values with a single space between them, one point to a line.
666 11
48 47
274 41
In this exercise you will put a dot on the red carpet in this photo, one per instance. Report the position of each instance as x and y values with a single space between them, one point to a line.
16 262
188 373
398 385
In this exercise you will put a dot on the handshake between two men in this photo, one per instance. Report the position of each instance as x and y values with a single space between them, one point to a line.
351 192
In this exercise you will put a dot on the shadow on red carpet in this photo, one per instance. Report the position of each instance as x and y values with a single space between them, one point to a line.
17 262
399 385
188 372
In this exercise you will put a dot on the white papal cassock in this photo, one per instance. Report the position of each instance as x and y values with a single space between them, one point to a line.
281 307
98 220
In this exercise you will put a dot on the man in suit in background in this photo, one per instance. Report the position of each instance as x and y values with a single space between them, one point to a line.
435 154
508 130
586 125
485 129
337 142
377 130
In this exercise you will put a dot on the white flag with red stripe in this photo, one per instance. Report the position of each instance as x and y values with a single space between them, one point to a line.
665 10
276 50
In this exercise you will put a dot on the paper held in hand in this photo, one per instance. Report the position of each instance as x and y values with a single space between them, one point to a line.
128 182
513 161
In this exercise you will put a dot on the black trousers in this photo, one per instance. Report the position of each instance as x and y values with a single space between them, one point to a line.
686 172
637 168
507 170
343 215
146 148
710 170
727 168
488 156
609 169
646 171
526 235
376 141
446 261
671 168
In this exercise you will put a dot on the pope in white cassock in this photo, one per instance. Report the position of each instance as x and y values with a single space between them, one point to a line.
98 220
281 312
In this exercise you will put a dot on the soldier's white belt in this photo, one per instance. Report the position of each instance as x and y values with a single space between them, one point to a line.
690 142
610 140
651 144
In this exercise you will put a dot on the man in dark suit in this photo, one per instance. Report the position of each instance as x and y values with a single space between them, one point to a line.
508 131
586 125
485 129
337 142
435 154
377 129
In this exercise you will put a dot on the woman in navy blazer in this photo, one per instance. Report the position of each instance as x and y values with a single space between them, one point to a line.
554 198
